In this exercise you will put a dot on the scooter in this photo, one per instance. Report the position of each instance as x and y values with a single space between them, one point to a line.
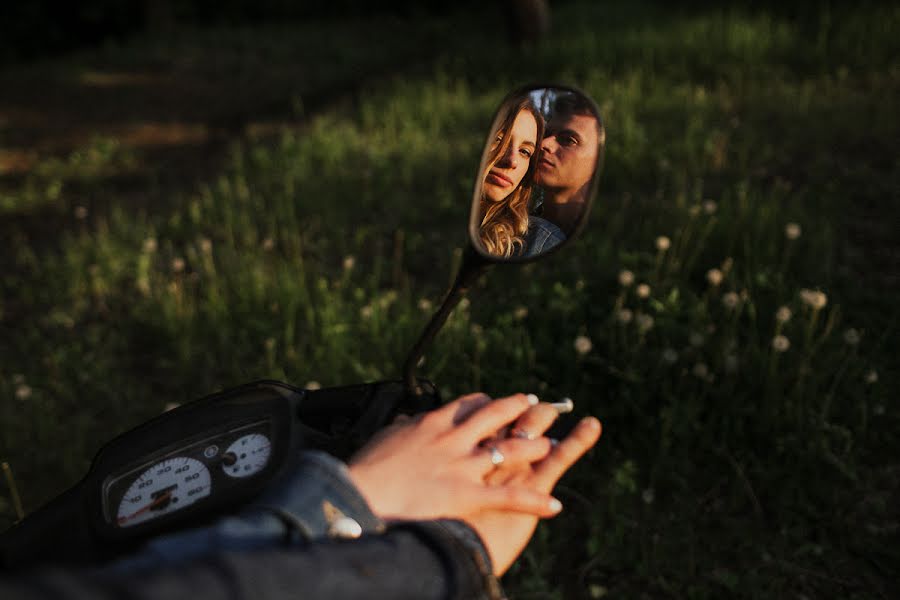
204 459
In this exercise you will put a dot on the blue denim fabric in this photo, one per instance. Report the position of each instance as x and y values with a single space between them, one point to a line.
542 235
292 510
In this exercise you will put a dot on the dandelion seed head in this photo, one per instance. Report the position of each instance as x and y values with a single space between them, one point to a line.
624 315
206 245
694 210
313 385
23 391
814 298
642 290
579 284
871 376
700 370
149 246
663 243
780 343
644 322
177 264
464 304
583 344
477 330
731 300
366 311
349 262
852 337
670 356
792 231
270 344
783 314
81 213
714 277
696 339
648 496
268 243
878 409
626 278
425 305
732 363
520 313
710 207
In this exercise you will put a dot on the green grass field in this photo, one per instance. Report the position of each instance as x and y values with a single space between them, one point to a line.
745 371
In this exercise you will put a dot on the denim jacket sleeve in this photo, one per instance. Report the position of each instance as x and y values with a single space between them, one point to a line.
311 531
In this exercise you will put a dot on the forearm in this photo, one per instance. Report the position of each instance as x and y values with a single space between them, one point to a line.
415 561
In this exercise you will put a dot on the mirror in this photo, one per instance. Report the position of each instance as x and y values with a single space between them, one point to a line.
538 173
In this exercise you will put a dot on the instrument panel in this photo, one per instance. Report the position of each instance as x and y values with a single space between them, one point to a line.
189 475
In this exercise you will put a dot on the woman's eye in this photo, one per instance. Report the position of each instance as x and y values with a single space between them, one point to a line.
525 152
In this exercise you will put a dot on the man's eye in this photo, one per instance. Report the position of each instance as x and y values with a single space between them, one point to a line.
566 140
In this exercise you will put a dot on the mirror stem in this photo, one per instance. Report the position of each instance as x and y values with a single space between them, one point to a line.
473 265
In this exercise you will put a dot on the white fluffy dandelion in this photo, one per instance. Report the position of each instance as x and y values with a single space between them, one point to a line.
670 356
648 496
626 278
732 363
642 290
177 264
783 314
268 244
583 344
150 245
520 313
731 300
624 315
644 323
814 298
710 207
23 391
81 213
792 231
696 339
349 262
663 243
871 376
780 343
366 311
714 277
206 245
852 337
425 305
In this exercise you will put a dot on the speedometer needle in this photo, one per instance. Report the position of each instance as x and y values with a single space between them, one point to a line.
160 500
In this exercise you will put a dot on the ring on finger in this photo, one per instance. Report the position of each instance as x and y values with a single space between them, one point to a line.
497 457
522 434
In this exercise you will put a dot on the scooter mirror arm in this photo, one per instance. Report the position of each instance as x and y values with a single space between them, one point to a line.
472 267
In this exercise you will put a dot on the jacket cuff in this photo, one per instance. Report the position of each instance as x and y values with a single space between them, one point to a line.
464 553
317 499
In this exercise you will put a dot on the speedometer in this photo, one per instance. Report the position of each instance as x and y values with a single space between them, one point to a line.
247 455
166 487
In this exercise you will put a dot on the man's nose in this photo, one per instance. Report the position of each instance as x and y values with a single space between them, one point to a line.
549 145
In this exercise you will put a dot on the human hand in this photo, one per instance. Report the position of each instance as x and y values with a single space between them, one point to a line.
433 467
505 534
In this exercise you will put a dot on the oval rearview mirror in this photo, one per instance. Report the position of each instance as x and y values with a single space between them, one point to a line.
538 173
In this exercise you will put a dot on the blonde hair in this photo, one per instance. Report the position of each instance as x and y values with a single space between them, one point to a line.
505 223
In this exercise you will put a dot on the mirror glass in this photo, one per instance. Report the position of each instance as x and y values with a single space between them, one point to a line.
538 173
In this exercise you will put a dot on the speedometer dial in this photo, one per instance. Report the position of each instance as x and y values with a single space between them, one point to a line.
165 487
247 455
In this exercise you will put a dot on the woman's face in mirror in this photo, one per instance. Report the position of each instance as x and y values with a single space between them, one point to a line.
518 146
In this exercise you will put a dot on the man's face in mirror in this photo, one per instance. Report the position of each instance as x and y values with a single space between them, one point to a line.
569 152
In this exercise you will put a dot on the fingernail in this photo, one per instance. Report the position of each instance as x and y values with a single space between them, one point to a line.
566 406
590 422
555 505
532 399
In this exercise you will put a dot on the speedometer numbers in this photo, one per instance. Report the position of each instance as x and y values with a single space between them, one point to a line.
247 455
165 487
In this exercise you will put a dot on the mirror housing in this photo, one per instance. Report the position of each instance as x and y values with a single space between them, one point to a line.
538 174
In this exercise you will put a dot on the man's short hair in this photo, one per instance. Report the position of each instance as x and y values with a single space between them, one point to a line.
569 104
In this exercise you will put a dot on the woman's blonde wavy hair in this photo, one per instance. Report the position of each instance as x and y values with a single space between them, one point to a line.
505 223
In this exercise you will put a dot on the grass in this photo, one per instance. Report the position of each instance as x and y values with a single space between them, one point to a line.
727 467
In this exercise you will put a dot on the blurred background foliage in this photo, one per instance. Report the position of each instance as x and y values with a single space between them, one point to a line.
283 194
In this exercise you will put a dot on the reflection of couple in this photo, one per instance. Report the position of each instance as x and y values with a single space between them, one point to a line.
561 166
